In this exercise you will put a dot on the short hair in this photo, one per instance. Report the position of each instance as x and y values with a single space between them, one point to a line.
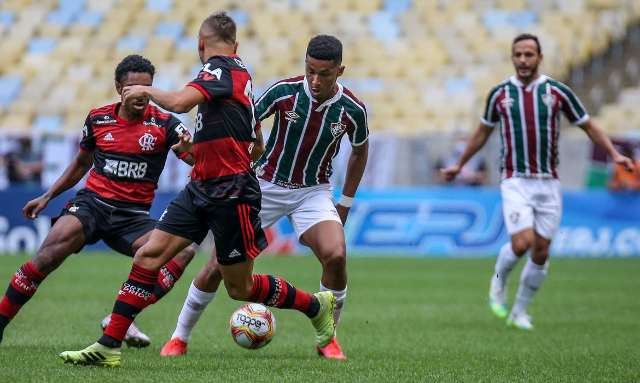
325 47
136 64
527 36
222 26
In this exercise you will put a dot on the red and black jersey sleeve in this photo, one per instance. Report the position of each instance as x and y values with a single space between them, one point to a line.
214 79
88 141
175 128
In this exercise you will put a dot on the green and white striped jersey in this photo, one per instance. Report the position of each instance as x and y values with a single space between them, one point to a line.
529 119
306 134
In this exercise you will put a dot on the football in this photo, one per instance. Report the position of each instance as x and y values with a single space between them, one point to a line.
252 326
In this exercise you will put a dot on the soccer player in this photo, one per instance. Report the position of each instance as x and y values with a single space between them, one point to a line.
527 108
125 145
313 112
223 196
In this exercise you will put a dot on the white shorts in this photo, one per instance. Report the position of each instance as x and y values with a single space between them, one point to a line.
304 207
531 203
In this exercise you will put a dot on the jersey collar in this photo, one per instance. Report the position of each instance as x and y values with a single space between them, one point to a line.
514 80
330 101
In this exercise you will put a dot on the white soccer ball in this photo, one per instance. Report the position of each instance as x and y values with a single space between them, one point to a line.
252 325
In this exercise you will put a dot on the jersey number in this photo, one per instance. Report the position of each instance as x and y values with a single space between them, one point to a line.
216 72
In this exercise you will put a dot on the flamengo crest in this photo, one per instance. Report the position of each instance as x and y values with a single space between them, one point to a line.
147 141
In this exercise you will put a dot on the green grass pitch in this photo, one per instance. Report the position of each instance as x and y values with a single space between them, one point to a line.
405 320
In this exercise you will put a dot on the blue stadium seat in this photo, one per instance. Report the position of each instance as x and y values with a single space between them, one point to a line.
41 46
130 42
187 43
170 29
7 18
47 123
9 89
159 5
383 26
90 18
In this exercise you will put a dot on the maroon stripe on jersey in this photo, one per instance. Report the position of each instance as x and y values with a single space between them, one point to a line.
554 133
200 89
220 157
272 161
323 176
308 139
137 192
529 117
506 126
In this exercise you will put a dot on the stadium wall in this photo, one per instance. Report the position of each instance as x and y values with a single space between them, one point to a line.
407 222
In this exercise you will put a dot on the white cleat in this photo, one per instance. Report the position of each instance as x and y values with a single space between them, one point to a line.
134 337
520 321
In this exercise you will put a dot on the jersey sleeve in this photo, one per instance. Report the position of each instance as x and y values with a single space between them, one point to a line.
175 127
265 106
88 140
214 80
571 107
491 116
360 132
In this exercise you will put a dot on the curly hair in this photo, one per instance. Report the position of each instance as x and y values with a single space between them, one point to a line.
325 47
133 63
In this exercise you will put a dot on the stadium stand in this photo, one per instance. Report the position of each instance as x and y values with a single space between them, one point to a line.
407 59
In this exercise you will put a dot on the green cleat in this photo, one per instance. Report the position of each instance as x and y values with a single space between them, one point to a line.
94 355
323 321
498 309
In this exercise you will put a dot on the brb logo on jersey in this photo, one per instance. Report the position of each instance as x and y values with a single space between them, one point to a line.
147 142
128 169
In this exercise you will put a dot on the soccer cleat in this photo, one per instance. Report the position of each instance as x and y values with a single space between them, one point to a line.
134 337
323 321
94 355
520 321
497 299
332 350
174 347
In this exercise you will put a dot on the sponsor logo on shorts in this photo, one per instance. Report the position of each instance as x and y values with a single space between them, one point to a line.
73 209
234 254
514 217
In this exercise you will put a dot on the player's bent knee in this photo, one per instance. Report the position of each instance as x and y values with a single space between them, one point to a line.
335 258
238 291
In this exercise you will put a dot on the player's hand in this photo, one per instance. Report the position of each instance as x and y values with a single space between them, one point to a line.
34 207
134 91
343 212
624 161
184 144
450 173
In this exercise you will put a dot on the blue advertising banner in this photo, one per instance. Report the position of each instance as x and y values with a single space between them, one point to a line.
406 222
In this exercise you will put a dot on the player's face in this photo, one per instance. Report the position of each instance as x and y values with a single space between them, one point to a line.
526 59
322 76
138 105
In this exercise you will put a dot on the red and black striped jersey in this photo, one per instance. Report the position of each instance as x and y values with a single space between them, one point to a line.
128 156
224 129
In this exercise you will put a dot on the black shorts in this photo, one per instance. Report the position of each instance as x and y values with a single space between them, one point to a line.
235 224
118 226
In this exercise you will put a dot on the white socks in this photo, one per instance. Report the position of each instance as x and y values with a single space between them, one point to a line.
193 307
530 281
506 261
340 295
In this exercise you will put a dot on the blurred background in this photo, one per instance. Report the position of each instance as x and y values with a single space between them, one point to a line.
423 68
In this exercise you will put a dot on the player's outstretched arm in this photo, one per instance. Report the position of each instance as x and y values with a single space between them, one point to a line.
71 176
477 141
180 101
599 138
355 170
